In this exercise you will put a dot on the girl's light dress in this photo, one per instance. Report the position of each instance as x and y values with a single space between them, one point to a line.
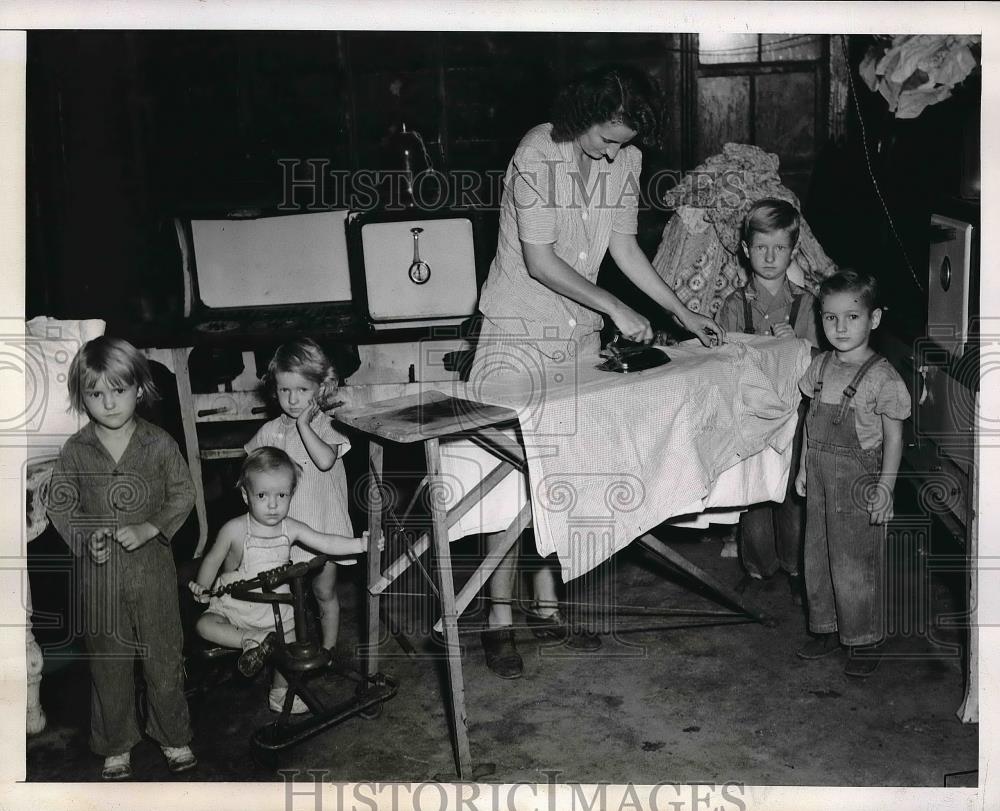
320 499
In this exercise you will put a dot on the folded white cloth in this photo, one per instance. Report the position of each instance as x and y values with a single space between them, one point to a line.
612 456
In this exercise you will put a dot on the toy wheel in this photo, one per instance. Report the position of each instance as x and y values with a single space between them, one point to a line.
372 712
265 758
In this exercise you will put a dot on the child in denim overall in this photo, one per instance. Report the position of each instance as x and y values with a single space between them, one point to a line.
851 453
119 492
771 304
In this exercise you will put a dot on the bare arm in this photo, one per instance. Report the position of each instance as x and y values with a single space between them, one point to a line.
212 562
800 477
634 264
323 543
880 503
323 455
546 267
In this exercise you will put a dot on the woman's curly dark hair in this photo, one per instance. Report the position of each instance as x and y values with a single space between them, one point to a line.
613 93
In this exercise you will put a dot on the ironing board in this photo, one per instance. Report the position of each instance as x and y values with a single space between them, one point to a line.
430 417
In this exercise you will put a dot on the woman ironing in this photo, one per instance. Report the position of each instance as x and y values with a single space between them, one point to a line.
571 195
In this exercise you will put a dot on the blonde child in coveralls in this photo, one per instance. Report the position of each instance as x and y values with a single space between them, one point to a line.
119 492
850 457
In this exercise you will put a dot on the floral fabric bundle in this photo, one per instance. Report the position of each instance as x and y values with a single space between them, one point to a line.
699 253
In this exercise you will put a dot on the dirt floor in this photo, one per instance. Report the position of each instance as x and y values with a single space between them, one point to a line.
668 698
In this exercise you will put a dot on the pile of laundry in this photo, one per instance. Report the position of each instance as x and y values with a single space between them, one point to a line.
699 253
914 71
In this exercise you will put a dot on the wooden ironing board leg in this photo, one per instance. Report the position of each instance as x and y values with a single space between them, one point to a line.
490 563
661 550
374 558
449 614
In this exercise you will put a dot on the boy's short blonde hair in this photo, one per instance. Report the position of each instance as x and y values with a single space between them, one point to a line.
264 460
769 215
114 360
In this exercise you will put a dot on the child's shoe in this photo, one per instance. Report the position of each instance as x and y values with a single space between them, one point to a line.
254 655
730 543
276 701
179 758
117 767
750 585
796 587
861 663
819 646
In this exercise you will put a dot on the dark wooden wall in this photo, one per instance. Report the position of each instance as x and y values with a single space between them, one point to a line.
129 129
910 168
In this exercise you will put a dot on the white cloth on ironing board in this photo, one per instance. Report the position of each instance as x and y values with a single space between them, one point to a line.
612 456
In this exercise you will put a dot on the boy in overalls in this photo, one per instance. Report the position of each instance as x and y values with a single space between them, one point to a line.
771 304
853 445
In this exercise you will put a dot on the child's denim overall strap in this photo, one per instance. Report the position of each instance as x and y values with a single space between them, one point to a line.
852 387
747 312
844 553
793 313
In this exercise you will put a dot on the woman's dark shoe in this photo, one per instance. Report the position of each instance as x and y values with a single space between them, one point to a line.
501 652
554 628
819 646
551 627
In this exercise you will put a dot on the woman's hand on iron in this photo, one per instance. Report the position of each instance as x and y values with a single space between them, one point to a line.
631 325
703 328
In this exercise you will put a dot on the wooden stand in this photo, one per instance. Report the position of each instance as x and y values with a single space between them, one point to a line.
428 417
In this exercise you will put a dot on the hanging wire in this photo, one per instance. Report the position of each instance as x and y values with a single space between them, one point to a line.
423 147
788 42
871 172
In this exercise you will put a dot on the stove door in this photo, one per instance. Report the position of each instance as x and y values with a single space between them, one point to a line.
419 271
948 284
